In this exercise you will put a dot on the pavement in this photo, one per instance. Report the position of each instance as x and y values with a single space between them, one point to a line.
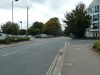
80 60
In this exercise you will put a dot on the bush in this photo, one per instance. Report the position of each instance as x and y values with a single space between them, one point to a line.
97 45
7 41
19 38
13 38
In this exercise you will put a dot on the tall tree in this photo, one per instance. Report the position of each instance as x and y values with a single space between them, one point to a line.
22 32
32 31
77 21
53 26
10 28
36 28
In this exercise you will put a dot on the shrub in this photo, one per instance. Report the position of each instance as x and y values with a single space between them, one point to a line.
7 40
97 45
19 38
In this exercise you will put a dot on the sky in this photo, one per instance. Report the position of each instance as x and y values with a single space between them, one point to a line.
39 10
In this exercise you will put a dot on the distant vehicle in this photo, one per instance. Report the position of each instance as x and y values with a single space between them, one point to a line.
41 36
37 36
24 36
4 38
29 36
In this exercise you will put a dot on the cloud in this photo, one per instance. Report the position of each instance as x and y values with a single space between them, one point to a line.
51 4
55 4
7 4
4 4
40 10
38 1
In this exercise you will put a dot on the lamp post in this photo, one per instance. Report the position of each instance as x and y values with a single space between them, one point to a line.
21 24
20 27
12 16
12 9
27 20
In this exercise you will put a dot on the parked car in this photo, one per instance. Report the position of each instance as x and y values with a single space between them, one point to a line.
41 36
37 36
4 38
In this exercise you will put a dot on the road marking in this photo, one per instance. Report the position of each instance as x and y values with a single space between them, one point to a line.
10 53
67 43
22 50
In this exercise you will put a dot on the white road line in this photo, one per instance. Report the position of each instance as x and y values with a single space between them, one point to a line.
10 53
67 43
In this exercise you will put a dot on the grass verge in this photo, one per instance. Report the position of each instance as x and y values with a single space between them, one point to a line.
96 47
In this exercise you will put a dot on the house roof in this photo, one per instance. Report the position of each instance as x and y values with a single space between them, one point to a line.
95 2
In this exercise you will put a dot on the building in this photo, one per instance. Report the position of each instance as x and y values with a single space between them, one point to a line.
94 12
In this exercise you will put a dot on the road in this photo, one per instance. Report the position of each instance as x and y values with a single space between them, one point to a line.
33 58
30 59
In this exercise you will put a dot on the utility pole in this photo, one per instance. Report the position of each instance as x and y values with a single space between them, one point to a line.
20 27
27 20
12 11
13 16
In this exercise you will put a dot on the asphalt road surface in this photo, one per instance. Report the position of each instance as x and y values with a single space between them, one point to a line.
30 59
34 58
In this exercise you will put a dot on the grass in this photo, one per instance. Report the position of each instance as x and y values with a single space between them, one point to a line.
97 45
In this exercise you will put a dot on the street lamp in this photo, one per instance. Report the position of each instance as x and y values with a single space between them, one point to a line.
27 20
12 17
21 25
21 28
12 9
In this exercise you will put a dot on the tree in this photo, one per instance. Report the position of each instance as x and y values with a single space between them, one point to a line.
36 28
38 25
22 32
67 31
32 31
53 27
10 28
77 21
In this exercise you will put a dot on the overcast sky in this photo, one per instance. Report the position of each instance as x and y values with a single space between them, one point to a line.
39 10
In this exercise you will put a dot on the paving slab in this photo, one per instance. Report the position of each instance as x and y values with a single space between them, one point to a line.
79 60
